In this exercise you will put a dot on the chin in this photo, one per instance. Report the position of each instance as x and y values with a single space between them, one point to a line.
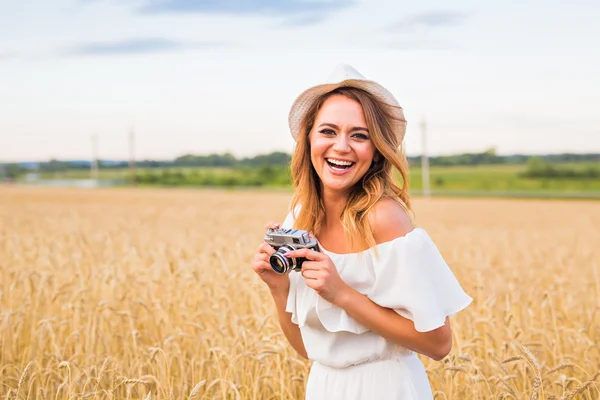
338 185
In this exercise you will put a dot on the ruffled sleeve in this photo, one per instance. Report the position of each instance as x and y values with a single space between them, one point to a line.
290 306
412 278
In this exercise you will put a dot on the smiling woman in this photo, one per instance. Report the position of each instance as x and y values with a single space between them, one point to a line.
360 125
341 149
375 291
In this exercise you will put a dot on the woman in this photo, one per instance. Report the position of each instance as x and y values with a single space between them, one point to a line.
378 291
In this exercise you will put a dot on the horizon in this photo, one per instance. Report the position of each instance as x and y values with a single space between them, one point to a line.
194 78
124 160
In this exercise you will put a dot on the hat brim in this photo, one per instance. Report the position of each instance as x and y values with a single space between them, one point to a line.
307 98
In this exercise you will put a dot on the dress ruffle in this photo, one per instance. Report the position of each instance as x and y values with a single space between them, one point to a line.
410 276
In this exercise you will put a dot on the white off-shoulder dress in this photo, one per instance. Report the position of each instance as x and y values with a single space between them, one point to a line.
350 361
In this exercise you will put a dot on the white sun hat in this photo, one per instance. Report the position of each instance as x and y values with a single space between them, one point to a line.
345 76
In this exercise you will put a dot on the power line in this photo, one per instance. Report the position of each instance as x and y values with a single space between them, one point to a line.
424 160
94 165
132 156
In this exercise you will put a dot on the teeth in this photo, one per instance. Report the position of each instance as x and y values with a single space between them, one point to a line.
339 162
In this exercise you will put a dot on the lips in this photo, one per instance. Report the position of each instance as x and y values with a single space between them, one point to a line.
339 167
339 163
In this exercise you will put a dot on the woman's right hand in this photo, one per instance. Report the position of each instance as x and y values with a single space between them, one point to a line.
261 265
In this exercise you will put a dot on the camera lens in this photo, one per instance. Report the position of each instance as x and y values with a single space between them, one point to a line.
279 263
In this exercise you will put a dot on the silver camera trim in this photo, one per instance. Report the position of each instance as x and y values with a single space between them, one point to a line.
285 237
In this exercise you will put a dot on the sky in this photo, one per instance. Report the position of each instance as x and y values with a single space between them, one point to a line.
216 76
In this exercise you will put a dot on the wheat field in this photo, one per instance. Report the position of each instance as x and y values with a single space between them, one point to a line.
149 294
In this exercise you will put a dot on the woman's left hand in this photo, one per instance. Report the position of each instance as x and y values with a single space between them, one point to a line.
320 274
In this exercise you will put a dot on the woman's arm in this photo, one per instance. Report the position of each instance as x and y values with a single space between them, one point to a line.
321 275
279 286
290 329
388 221
435 344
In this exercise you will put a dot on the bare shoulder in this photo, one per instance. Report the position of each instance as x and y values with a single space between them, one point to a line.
389 220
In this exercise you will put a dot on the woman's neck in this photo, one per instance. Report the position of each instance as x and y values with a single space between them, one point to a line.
334 203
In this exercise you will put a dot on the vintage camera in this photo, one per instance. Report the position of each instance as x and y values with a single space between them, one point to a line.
284 240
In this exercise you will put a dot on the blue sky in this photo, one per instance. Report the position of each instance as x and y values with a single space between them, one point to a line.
217 76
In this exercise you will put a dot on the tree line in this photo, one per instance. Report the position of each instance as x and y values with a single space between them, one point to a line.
540 168
281 159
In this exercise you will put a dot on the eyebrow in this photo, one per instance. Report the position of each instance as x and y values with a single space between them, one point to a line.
334 126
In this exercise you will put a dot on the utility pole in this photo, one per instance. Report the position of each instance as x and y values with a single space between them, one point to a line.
94 166
424 160
132 156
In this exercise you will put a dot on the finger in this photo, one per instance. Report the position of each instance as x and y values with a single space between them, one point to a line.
312 265
315 284
272 225
260 266
306 253
266 248
261 257
310 273
263 248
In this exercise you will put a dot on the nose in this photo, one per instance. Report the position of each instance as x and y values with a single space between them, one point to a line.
341 144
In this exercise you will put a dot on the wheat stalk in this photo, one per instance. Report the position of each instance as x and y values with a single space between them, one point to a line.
197 388
581 388
559 367
23 377
156 285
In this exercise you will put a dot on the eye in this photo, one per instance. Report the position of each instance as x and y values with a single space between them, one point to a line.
327 132
361 136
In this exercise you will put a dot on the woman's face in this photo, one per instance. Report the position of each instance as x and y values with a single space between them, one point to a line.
341 148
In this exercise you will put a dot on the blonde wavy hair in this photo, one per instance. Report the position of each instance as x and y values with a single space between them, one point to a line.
377 183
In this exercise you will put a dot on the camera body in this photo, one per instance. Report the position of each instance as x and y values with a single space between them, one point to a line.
285 240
